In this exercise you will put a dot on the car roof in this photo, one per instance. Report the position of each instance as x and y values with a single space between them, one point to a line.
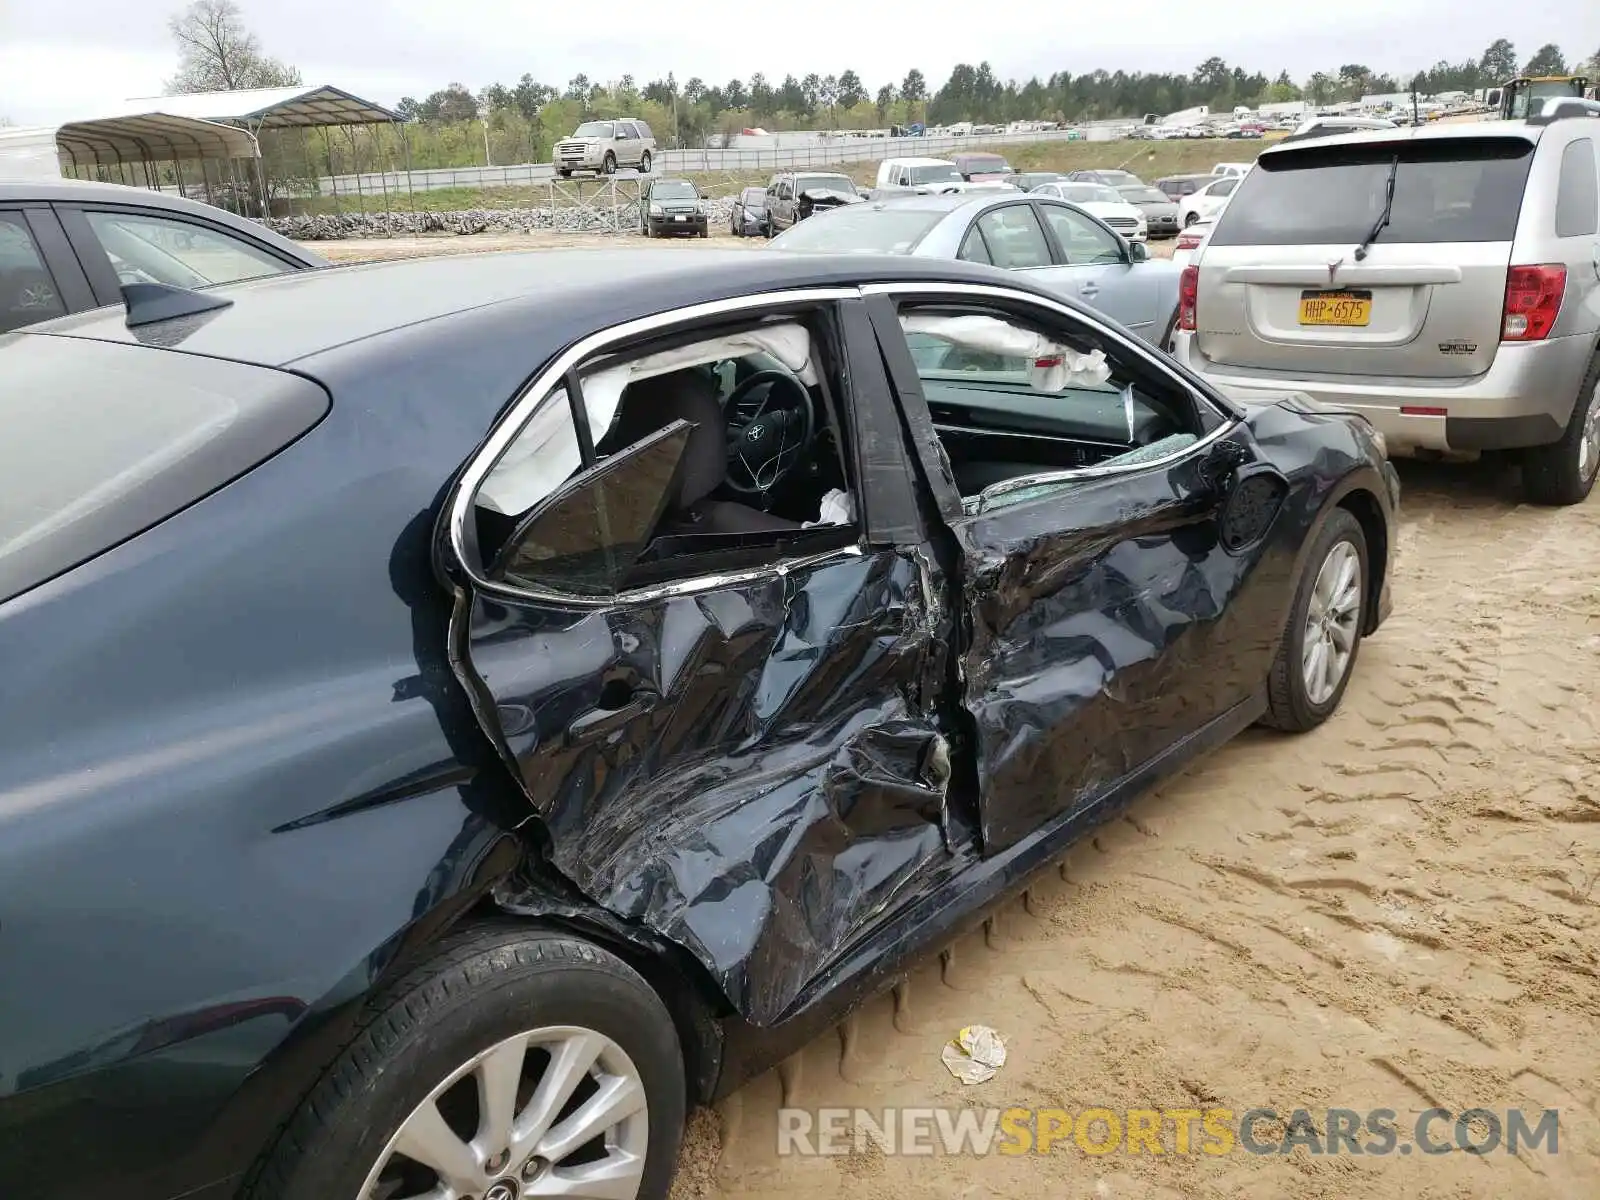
1408 133
1181 178
558 295
84 191
920 162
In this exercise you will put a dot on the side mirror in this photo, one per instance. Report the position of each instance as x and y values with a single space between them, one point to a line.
864 193
1138 252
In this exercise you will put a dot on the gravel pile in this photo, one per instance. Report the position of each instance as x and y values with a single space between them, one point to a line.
404 223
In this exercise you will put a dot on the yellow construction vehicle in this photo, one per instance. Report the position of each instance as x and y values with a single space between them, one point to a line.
1524 97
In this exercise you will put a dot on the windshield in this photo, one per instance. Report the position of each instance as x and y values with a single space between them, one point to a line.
860 228
824 183
1456 190
594 129
674 189
943 173
1145 195
1090 193
755 195
1118 178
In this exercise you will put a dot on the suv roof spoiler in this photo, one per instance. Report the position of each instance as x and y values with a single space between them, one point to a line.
1564 108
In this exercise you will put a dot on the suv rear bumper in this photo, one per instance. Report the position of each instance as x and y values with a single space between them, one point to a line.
1524 399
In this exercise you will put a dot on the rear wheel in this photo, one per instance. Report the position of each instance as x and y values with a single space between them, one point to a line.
1564 472
512 1064
1323 637
644 163
1190 218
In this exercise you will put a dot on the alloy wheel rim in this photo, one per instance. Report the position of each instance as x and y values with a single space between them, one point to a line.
1589 443
1332 618
556 1111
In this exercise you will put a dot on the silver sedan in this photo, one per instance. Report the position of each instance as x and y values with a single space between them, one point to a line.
1064 247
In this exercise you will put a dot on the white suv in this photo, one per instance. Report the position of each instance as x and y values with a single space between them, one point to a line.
603 146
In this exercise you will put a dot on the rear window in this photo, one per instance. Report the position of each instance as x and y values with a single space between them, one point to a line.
104 440
1450 190
860 228
819 183
1578 201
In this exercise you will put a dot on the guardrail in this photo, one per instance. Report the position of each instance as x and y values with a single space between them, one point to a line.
824 152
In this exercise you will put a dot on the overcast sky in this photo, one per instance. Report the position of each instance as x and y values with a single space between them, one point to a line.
68 59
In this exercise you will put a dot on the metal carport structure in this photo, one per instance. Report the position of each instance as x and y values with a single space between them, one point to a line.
229 124
149 141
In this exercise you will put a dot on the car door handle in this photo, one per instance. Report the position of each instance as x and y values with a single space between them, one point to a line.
601 722
1089 289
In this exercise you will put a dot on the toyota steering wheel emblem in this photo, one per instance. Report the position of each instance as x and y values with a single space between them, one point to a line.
753 434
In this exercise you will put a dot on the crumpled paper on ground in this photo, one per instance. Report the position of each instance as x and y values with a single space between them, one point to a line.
975 1055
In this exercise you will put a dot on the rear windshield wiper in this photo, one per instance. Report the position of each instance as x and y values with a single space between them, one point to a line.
1383 217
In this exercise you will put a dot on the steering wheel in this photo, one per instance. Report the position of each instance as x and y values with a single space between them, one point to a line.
765 449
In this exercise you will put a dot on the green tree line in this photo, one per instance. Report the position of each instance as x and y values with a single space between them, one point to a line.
526 118
519 122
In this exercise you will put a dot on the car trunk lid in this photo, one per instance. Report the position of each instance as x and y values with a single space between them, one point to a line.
1293 280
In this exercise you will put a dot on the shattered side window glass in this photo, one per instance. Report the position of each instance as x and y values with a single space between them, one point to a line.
587 539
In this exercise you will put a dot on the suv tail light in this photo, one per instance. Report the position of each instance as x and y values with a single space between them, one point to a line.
1188 292
1533 301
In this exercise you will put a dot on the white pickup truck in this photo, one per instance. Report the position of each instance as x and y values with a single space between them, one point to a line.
926 176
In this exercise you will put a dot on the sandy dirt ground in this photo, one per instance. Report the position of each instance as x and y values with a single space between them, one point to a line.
1397 911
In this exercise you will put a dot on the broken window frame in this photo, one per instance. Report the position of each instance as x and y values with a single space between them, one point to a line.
636 339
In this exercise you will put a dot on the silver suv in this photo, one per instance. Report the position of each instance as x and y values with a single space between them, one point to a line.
1444 282
603 146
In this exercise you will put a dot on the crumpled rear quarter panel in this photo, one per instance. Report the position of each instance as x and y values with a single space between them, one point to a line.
788 788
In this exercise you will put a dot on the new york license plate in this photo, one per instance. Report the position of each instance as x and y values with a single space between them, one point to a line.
1347 308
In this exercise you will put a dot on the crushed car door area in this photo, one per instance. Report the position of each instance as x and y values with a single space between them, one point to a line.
711 660
1108 626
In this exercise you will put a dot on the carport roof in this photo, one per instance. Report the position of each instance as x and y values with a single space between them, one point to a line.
153 135
273 108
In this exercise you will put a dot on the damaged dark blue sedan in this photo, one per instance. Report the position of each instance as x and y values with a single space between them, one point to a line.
459 713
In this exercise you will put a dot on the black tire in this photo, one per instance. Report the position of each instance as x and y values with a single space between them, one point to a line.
644 163
608 165
705 231
1190 218
1289 704
477 989
1555 474
564 174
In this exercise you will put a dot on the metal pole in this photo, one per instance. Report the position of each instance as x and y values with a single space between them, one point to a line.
311 167
261 171
333 178
383 179
355 159
405 140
